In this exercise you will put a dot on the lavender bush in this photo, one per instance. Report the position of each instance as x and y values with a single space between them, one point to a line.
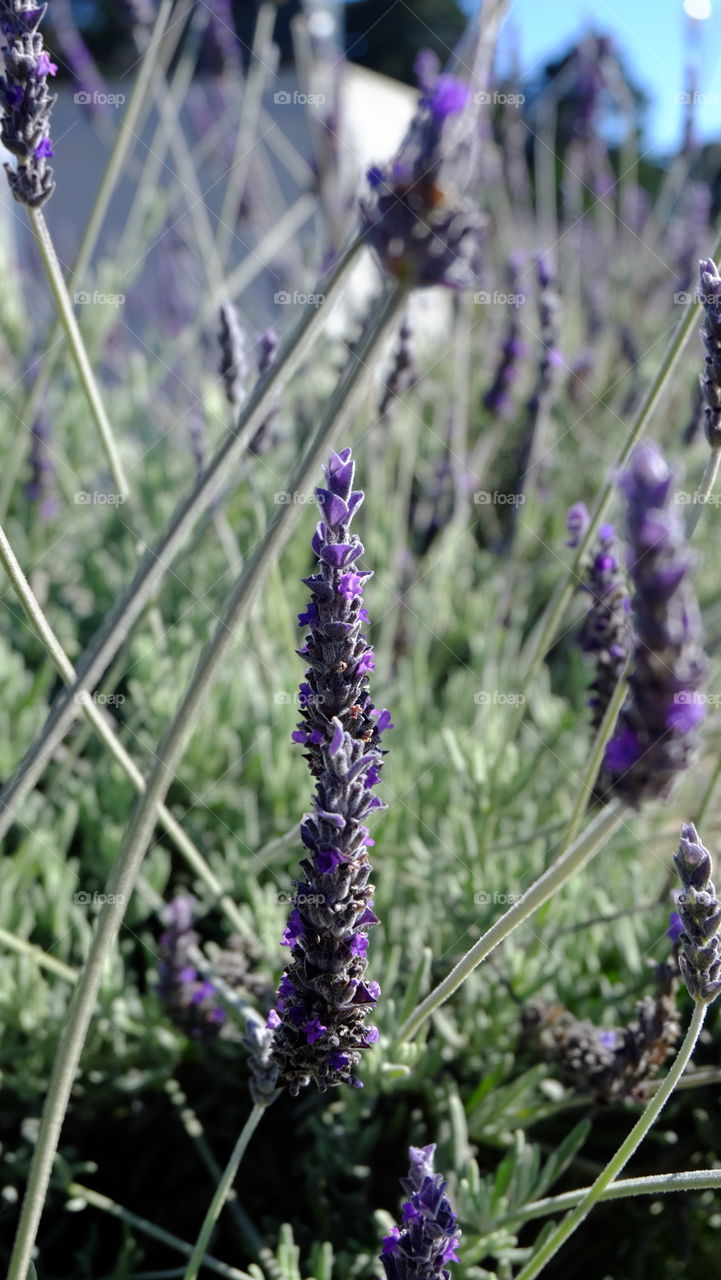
193 986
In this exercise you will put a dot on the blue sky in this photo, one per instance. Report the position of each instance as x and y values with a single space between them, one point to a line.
656 39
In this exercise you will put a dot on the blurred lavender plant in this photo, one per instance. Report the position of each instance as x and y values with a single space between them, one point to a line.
422 228
41 485
191 1001
605 631
610 1063
497 397
653 739
430 1233
709 293
233 367
402 373
320 1027
91 87
26 102
699 911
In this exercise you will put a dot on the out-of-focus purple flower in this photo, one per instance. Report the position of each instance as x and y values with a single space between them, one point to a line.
653 740
402 372
429 1237
191 1001
699 910
423 230
497 397
323 998
606 629
265 436
675 927
709 293
26 102
92 89
426 69
41 486
233 367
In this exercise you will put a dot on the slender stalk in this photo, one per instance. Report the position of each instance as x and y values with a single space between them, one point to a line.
157 560
77 347
703 493
222 1191
107 1205
103 725
24 948
553 1243
247 126
595 760
168 754
694 1180
580 853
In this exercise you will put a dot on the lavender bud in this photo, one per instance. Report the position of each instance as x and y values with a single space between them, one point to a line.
264 436
258 1041
233 367
710 295
497 397
26 102
606 631
402 372
320 1027
700 912
430 1233
423 231
653 741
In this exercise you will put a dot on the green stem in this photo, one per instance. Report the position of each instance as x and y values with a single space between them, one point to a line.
104 727
694 1180
13 943
157 560
703 493
222 1192
553 1243
167 757
592 769
77 347
107 1205
580 853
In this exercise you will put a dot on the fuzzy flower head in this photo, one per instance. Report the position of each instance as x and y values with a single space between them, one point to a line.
324 997
709 293
654 737
26 102
191 1000
428 1239
422 229
699 912
606 630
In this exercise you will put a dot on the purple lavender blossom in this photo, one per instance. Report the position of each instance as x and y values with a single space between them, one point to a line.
191 1001
700 914
26 102
605 632
430 1233
402 373
653 740
710 295
266 435
233 367
497 397
320 1027
423 231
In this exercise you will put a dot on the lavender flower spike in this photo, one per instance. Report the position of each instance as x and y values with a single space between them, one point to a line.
605 633
320 1027
423 230
233 367
26 101
710 296
429 1237
700 912
653 739
190 1000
